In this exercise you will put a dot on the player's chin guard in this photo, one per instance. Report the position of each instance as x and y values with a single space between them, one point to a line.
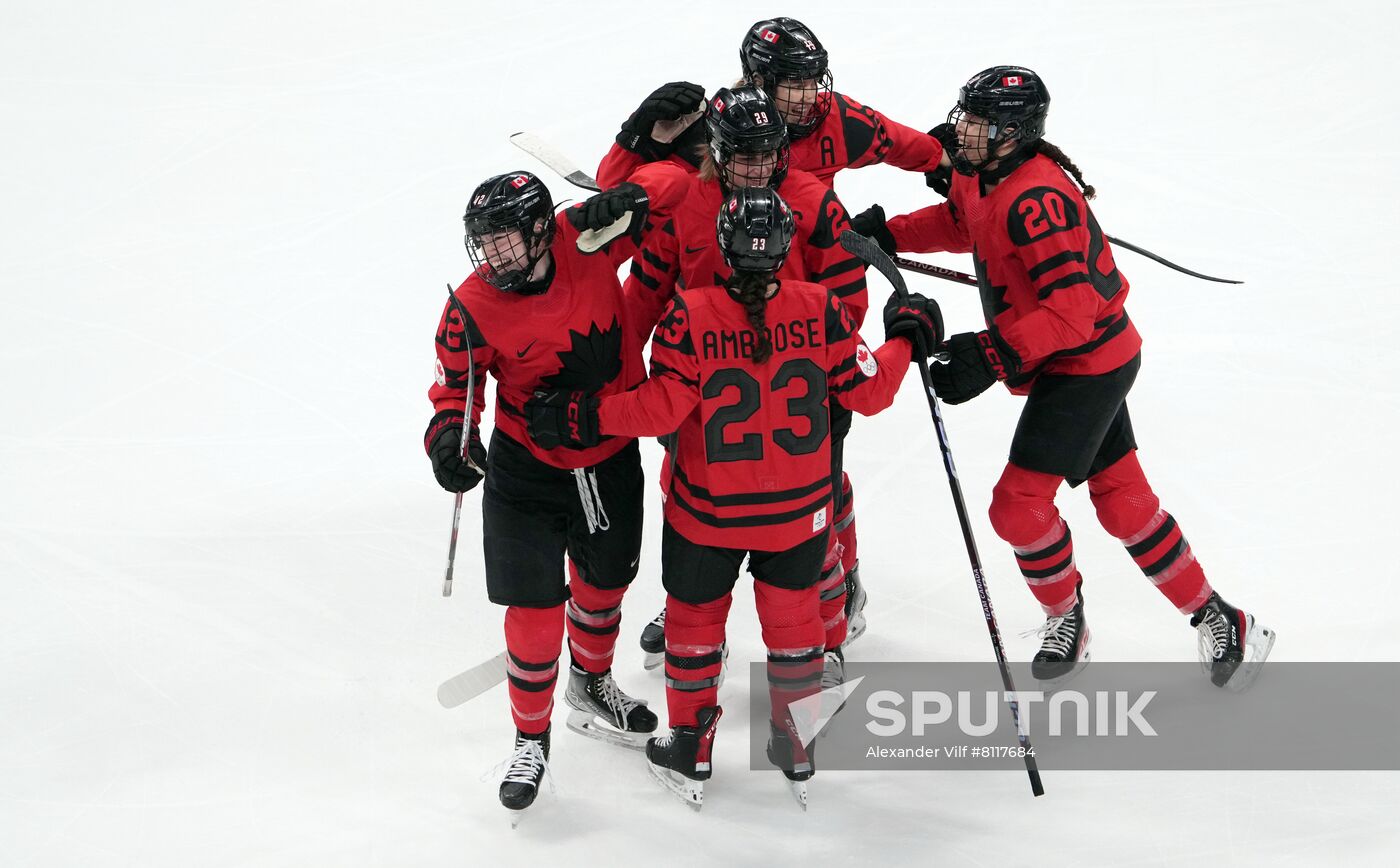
755 230
745 123
998 105
510 225
785 50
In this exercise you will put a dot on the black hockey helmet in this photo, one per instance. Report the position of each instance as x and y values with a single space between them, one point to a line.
745 120
785 49
755 230
516 202
1013 100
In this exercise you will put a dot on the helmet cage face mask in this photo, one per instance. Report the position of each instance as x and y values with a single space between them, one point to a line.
998 105
508 233
748 139
784 51
803 102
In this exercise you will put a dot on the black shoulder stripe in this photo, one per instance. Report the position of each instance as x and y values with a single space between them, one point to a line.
851 288
1068 280
841 267
642 277
1045 266
660 264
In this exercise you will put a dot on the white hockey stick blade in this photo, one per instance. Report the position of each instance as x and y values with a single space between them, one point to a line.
472 683
592 240
547 154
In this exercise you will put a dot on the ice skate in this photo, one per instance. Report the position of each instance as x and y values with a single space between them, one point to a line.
797 762
603 712
833 676
523 773
855 606
654 642
1065 647
1232 645
680 760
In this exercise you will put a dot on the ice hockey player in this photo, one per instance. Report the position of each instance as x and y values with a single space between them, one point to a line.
744 373
747 147
1057 333
538 314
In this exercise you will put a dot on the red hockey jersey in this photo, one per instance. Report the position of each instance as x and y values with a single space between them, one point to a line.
577 335
853 135
680 249
1051 293
752 466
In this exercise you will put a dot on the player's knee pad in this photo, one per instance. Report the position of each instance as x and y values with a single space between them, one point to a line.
1023 505
535 635
791 619
696 623
1122 497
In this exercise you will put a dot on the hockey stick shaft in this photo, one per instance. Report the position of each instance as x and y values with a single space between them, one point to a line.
869 251
466 435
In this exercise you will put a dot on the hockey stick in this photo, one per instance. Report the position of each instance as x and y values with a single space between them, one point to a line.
554 159
466 435
868 250
472 683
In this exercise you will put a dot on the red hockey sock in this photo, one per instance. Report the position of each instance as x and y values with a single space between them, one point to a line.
846 525
694 634
1129 510
1023 513
792 631
533 637
594 616
832 590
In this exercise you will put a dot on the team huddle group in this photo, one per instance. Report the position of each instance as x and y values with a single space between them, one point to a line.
725 208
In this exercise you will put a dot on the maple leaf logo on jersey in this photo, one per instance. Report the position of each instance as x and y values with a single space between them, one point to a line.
866 361
592 360
994 302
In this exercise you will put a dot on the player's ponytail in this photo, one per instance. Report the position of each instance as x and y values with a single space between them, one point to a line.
1064 162
750 288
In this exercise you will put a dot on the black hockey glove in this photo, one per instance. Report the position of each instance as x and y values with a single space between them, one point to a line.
973 366
444 443
602 210
669 102
559 418
917 318
941 179
871 224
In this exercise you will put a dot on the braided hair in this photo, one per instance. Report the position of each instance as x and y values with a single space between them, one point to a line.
750 289
1064 162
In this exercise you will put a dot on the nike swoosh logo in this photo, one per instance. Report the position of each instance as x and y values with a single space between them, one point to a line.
695 249
520 354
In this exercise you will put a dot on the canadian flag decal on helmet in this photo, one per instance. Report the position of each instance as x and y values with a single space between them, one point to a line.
719 104
519 181
769 36
1011 81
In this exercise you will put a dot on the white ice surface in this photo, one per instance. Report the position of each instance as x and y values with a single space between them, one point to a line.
225 237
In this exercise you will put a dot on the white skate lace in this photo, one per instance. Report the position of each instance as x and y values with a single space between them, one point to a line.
591 499
1058 633
1213 634
619 703
525 764
659 620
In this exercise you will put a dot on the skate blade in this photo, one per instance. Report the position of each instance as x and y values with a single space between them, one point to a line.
589 726
516 817
1259 641
855 628
651 660
680 786
799 792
